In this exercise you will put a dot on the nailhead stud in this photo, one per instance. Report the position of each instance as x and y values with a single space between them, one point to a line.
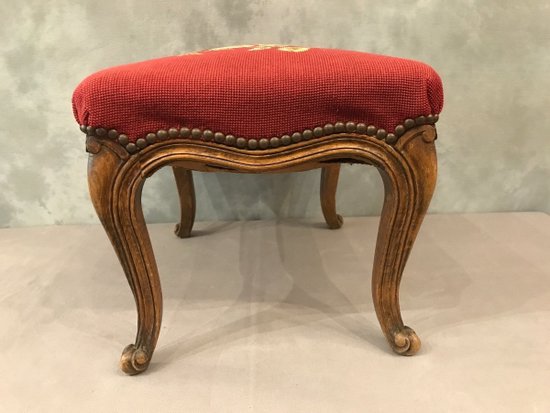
318 132
274 142
173 133
399 130
185 132
329 129
90 130
241 142
381 134
264 143
83 128
230 140
339 127
123 140
252 144
391 138
196 133
219 137
151 138
307 134
421 120
131 147
286 140
351 127
409 123
141 143
361 128
436 117
430 119
208 135
101 132
296 137
113 134
371 130
162 134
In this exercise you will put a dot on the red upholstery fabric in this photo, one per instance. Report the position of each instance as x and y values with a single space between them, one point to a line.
258 91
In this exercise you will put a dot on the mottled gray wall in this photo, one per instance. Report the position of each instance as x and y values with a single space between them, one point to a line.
493 57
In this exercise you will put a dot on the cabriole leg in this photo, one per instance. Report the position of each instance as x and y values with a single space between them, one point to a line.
186 191
329 182
408 191
115 184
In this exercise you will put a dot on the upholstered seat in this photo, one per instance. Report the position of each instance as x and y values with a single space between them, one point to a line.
258 96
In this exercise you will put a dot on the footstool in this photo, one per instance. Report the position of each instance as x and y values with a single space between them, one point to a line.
260 109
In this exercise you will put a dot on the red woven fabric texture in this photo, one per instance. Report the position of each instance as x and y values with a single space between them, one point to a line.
258 93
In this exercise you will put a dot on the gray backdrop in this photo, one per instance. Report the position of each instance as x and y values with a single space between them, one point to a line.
493 57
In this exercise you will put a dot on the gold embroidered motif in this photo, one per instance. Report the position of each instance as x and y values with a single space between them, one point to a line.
256 47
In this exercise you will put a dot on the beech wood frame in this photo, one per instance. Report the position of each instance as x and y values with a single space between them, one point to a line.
408 169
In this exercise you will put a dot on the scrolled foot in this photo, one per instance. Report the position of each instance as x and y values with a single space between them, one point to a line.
335 223
134 360
405 342
181 231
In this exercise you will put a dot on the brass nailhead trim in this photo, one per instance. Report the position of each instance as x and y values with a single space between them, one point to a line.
241 142
208 135
399 130
391 138
123 140
230 140
185 132
252 144
196 133
131 147
141 143
409 123
318 132
329 129
381 134
371 130
286 140
262 143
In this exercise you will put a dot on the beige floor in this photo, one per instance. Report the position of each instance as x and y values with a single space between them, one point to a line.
277 317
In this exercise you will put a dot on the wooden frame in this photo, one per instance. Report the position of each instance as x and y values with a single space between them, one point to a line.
408 169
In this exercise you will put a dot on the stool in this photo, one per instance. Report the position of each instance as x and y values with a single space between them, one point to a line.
260 109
